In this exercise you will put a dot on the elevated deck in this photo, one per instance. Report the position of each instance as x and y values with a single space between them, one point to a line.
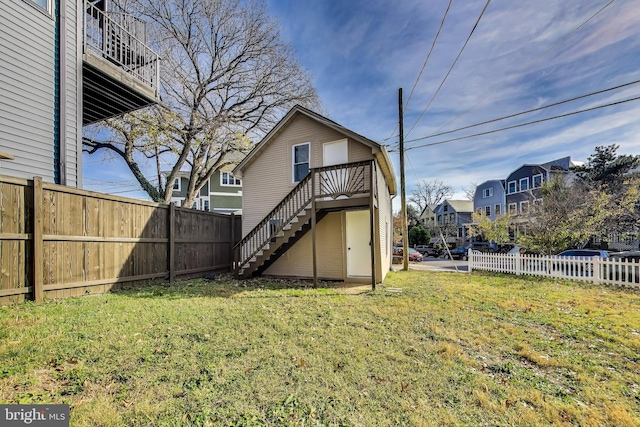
120 73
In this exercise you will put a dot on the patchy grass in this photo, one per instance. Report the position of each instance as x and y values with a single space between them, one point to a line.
447 350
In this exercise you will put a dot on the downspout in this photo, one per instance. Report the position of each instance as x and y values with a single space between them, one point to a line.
62 92
391 226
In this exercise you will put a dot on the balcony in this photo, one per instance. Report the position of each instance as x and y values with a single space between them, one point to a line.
120 72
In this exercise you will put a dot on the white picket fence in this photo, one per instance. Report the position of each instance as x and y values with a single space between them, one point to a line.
595 269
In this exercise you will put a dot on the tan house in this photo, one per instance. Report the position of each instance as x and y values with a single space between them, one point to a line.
316 203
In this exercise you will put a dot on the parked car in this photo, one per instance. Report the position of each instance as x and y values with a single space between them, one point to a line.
457 253
624 271
428 250
584 253
414 255
482 246
626 256
580 268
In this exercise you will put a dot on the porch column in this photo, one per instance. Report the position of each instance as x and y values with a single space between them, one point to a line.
313 229
372 227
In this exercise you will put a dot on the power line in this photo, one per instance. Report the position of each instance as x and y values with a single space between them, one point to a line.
446 12
526 67
451 68
555 104
406 105
523 124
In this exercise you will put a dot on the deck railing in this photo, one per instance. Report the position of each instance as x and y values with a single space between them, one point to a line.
120 38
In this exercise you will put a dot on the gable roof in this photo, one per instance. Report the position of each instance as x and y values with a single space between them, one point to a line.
380 151
460 205
431 207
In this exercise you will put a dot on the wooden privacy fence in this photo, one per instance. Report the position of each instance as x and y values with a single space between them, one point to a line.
590 269
58 242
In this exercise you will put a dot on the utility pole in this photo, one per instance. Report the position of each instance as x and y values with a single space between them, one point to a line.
403 196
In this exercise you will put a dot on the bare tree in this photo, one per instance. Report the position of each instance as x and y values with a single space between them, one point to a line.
430 193
470 191
227 78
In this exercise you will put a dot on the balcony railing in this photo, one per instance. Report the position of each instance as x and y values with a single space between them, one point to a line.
120 38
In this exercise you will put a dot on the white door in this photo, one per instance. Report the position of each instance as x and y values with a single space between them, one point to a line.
335 153
358 244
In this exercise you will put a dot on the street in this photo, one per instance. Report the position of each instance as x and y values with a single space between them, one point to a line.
437 264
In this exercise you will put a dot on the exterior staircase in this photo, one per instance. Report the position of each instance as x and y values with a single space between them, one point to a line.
323 190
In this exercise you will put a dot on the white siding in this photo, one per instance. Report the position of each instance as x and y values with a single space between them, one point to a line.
385 226
26 90
73 70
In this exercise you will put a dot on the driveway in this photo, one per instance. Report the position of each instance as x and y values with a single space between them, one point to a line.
439 264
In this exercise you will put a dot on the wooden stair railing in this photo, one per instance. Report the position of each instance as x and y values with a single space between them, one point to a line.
291 218
273 224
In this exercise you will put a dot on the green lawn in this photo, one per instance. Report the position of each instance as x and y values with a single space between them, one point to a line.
449 349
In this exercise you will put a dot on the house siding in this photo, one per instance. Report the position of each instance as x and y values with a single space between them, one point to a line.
225 202
27 49
266 182
385 224
73 130
498 198
298 262
28 91
217 187
526 171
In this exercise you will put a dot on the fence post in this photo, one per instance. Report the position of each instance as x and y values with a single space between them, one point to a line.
171 256
233 242
596 269
38 249
518 264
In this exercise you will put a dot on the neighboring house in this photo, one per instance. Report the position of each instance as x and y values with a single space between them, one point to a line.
490 198
428 216
65 64
222 194
316 203
454 214
523 184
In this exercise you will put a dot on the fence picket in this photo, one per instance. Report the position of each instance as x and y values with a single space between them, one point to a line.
77 241
596 269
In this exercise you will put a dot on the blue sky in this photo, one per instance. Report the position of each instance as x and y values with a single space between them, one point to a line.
522 55
362 51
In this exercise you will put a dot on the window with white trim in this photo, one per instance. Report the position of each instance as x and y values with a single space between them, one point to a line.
445 208
512 187
524 184
301 155
177 185
487 210
497 209
228 180
45 5
513 208
524 207
487 192
537 181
